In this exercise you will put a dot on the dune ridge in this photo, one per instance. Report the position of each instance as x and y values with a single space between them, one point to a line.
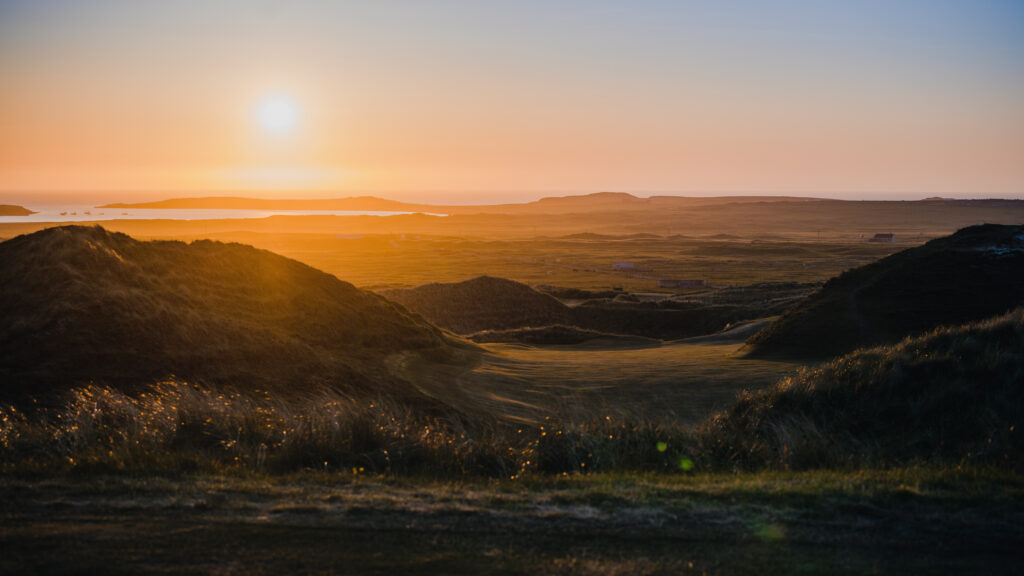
82 304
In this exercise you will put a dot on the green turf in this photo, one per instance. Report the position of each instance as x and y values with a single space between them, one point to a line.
915 520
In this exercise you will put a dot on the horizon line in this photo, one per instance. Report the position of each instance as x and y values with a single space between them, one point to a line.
524 197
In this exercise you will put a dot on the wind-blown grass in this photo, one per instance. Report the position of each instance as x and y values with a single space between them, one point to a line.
178 427
956 393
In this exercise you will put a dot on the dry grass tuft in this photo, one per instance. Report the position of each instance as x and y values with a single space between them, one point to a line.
179 427
952 394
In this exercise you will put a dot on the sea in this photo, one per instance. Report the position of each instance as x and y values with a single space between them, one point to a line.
80 213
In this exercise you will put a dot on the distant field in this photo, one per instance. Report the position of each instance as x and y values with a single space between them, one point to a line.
378 261
395 261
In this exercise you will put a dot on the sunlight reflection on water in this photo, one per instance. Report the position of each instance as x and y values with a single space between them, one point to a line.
79 213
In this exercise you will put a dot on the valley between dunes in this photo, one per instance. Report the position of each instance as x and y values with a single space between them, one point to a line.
673 381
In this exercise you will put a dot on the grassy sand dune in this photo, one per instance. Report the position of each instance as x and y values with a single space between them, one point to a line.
973 274
483 303
954 394
82 305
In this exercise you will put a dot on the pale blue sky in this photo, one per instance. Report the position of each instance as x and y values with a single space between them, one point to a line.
855 99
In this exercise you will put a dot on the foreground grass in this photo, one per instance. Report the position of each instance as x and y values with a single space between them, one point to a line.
910 520
954 394
178 427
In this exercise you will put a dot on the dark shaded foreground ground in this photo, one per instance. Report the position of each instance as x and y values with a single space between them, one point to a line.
896 522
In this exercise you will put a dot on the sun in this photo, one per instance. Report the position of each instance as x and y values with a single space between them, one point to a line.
277 115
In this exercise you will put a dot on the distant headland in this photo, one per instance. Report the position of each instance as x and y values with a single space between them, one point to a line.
13 210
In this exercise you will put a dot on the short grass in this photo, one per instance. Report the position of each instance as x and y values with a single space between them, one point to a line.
910 520
677 381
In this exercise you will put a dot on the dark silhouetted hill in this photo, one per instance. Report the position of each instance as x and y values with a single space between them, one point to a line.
954 394
484 303
497 304
973 274
81 304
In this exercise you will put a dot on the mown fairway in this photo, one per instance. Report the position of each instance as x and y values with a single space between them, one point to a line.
680 382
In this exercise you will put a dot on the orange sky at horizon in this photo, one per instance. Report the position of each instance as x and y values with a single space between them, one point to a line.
531 99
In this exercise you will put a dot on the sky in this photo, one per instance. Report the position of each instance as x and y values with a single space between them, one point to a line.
472 101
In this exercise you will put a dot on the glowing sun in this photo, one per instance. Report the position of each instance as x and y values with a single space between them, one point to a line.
277 115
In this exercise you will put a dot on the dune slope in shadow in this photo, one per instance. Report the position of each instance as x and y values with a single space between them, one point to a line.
81 304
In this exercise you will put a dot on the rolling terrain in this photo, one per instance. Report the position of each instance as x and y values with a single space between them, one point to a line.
955 395
778 218
550 457
483 303
502 305
572 242
84 305
973 274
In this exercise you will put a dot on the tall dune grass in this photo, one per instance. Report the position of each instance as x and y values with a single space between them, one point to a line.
953 394
179 427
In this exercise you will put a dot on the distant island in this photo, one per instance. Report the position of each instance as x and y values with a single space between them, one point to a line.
13 210
596 202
